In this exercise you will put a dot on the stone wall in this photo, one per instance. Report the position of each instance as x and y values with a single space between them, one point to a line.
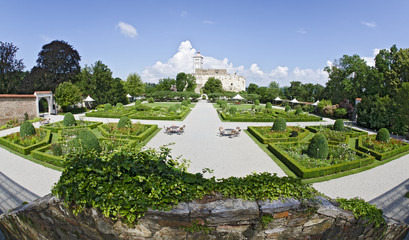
213 218
14 107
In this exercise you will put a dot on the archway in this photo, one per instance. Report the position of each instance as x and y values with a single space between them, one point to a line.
43 105
46 100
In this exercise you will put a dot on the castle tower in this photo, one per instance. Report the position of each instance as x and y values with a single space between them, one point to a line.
197 62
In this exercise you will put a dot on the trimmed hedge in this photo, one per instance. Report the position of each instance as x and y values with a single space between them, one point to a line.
25 150
309 118
304 173
101 114
40 154
141 137
354 133
55 129
180 116
381 156
263 139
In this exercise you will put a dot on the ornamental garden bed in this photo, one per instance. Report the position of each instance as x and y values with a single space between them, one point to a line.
265 115
67 133
27 144
381 150
112 113
136 131
340 158
163 113
336 136
54 127
266 135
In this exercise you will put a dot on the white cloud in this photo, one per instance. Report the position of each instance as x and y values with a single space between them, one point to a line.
127 29
369 24
370 61
182 61
301 31
207 22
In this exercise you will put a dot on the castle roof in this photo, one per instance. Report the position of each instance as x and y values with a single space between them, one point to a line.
198 55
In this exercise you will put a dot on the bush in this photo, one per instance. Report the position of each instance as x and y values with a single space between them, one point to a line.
294 134
233 110
138 102
27 129
150 100
280 125
298 111
287 108
172 108
224 105
339 125
107 106
318 147
69 120
269 105
56 149
142 107
124 122
185 103
340 113
87 140
119 105
383 135
256 102
189 101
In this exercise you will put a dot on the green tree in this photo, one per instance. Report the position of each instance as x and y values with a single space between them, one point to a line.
213 85
252 88
11 68
67 94
165 84
191 83
181 81
134 85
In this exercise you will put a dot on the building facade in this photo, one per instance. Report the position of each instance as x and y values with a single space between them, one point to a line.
230 82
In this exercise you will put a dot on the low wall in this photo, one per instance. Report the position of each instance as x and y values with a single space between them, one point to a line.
49 218
14 107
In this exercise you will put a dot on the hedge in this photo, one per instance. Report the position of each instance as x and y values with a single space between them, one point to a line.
304 173
59 133
40 154
263 139
55 129
25 150
141 137
381 156
355 133
180 116
267 119
102 114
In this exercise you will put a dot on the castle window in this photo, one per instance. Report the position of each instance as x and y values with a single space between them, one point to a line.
232 84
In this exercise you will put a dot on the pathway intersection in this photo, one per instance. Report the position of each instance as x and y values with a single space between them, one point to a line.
22 180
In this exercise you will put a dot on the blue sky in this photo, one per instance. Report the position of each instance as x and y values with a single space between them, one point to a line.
261 40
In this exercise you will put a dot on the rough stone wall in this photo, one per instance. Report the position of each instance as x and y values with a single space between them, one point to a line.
49 218
230 82
15 107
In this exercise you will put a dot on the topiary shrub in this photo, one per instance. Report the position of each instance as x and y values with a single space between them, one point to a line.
88 140
184 103
287 108
142 107
69 120
298 111
27 129
257 102
124 122
232 110
172 108
294 134
318 147
269 105
280 125
137 102
339 125
383 135
119 105
189 101
107 106
150 100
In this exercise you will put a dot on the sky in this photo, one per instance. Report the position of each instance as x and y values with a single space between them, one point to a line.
263 41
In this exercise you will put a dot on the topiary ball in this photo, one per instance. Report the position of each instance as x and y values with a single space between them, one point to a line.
119 105
232 110
107 106
88 140
124 122
287 108
69 120
184 103
339 125
298 111
256 102
172 108
269 105
318 147
27 129
280 125
383 135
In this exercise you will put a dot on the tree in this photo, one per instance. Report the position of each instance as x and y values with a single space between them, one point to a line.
191 83
67 94
181 81
252 88
57 62
165 84
213 85
134 85
150 87
10 68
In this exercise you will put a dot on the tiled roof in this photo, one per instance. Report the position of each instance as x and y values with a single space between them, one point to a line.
16 96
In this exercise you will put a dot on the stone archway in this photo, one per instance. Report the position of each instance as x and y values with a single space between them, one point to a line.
48 96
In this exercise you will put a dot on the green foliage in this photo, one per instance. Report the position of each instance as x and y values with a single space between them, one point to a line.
294 134
339 125
266 219
11 68
298 111
56 149
318 147
172 109
119 105
197 226
340 112
233 110
69 120
87 140
287 108
124 122
383 135
27 129
269 105
134 85
322 104
142 107
407 195
150 100
362 209
280 125
107 106
138 102
213 85
26 116
189 101
256 102
185 103
67 94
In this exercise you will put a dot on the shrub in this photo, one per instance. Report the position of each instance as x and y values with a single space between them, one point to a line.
184 103
224 105
69 120
150 100
178 106
287 108
280 125
124 122
119 105
256 102
294 134
172 108
88 140
269 105
318 147
297 107
188 101
27 129
340 113
107 106
339 125
142 107
298 111
138 102
26 116
233 110
383 135
56 149
253 107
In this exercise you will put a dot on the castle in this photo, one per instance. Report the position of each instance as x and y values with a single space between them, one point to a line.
232 83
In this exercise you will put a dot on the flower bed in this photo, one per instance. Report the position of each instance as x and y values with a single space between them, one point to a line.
265 135
113 113
351 132
67 133
340 158
161 113
27 144
54 127
381 150
265 116
137 131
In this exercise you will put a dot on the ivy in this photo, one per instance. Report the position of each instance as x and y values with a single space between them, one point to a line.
362 209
